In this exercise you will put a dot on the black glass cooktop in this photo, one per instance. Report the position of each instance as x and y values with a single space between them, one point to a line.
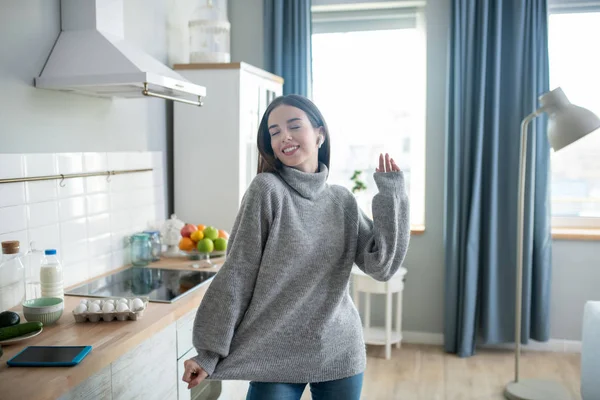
158 284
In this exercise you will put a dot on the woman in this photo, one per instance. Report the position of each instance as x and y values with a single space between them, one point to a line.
279 312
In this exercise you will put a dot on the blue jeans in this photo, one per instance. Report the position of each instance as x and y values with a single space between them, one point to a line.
346 388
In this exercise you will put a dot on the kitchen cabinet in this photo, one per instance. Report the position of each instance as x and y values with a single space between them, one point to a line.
96 387
215 153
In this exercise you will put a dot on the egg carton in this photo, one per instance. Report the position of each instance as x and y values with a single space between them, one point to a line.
133 312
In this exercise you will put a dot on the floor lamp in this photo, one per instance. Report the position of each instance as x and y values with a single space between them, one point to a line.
567 123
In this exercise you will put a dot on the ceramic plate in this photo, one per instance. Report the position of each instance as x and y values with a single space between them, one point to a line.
22 337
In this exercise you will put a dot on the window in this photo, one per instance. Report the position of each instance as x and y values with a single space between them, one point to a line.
575 66
369 82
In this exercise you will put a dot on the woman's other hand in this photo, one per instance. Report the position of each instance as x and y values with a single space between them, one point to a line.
387 164
193 374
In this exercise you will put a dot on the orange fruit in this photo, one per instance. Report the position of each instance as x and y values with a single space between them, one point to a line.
186 244
197 236
201 227
223 234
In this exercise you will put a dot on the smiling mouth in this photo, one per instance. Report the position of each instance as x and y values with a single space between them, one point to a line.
290 150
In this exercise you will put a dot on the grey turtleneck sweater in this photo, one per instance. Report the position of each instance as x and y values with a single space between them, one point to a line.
279 310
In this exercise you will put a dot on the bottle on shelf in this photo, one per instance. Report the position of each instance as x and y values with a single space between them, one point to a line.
51 275
12 276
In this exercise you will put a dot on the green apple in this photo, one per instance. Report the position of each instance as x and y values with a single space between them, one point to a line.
210 232
205 246
220 244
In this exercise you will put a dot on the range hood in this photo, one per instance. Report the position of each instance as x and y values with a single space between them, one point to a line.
91 57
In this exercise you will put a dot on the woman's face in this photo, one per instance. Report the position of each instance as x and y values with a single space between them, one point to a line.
294 140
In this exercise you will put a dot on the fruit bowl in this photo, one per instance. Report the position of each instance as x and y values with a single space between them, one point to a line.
196 255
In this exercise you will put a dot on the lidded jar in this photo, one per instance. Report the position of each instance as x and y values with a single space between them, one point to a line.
12 276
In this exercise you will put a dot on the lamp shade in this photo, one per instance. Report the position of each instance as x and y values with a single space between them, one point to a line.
567 123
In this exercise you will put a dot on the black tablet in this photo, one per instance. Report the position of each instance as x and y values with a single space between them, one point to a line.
49 356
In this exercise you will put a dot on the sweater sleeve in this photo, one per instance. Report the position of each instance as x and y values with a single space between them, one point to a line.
229 294
383 241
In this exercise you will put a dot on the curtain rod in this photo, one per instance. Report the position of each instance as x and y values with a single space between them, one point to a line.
62 177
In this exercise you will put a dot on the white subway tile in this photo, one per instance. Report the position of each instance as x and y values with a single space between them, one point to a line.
21 236
143 218
100 265
99 225
161 212
95 162
40 191
120 201
100 245
12 194
96 184
75 273
73 231
139 160
13 219
159 194
118 161
69 163
41 214
120 240
142 180
120 221
97 204
158 178
122 183
71 187
75 252
120 259
71 208
12 166
46 237
41 164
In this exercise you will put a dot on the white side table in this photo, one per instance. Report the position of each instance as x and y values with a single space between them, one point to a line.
380 335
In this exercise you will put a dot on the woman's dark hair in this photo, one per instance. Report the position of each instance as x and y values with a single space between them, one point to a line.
266 159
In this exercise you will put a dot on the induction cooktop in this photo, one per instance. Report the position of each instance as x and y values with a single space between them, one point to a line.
157 284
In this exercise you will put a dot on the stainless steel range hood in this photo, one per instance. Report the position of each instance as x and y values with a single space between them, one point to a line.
91 57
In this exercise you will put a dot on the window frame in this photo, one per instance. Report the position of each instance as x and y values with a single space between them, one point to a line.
561 223
340 18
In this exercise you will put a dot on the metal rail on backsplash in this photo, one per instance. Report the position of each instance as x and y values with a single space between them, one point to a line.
62 177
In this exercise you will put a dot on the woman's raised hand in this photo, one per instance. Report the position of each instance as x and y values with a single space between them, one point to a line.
387 164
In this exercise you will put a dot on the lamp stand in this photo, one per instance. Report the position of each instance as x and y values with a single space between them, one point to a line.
528 389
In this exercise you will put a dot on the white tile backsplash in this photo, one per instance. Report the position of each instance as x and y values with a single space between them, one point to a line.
89 220
12 194
12 166
96 184
46 237
71 187
95 162
97 204
40 191
13 219
98 225
75 252
72 208
42 164
73 231
41 214
69 163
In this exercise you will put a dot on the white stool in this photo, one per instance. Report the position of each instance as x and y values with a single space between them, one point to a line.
380 335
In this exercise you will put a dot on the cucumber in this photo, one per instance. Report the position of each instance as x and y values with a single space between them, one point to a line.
19 330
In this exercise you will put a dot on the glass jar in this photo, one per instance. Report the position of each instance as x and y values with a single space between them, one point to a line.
12 276
156 244
141 249
209 31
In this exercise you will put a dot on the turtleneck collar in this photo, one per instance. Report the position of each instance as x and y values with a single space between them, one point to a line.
309 185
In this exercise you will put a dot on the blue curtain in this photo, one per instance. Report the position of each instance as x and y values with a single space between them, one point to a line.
288 43
498 68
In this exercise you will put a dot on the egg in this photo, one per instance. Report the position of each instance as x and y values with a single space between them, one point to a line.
81 308
122 300
94 307
138 304
111 301
108 307
84 301
122 307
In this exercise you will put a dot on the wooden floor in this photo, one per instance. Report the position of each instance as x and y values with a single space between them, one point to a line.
420 372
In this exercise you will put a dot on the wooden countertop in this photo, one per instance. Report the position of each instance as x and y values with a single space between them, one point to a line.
109 341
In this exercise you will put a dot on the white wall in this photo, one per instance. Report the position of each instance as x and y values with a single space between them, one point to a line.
576 265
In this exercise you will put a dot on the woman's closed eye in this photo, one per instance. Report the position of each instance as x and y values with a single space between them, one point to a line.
273 133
